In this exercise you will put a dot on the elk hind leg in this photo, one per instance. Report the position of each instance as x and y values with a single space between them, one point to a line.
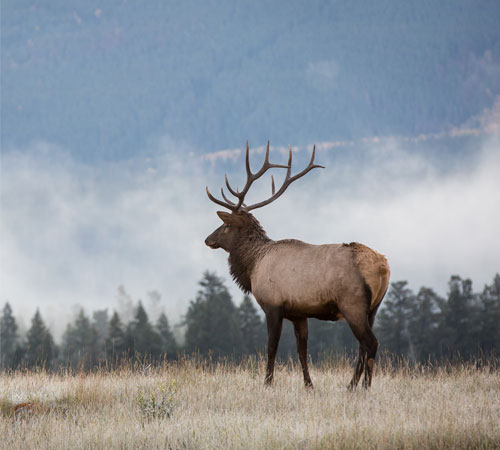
274 321
300 328
360 367
372 347
368 345
372 351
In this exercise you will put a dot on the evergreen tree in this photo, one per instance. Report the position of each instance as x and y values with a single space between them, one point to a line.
321 337
143 340
392 321
287 346
490 318
327 338
116 345
101 325
212 320
40 348
168 344
253 333
80 343
423 323
154 306
460 320
344 339
8 337
126 307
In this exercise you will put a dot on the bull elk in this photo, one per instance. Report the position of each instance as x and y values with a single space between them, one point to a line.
293 280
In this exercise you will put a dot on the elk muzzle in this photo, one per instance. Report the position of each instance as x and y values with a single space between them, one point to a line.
211 242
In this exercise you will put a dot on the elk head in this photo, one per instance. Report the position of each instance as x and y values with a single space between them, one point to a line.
240 222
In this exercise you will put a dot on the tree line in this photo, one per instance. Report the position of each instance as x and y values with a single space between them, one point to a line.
422 327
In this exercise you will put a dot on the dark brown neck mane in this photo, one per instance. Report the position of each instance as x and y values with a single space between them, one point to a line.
246 253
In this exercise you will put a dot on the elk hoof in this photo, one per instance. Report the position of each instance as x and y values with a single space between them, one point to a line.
268 382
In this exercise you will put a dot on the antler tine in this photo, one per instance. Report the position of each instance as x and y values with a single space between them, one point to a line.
266 159
235 193
312 158
242 203
251 177
267 165
289 161
288 179
225 198
227 205
309 167
247 161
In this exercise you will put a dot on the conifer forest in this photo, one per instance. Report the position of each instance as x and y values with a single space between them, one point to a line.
420 327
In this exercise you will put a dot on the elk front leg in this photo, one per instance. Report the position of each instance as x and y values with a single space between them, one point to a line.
300 328
274 321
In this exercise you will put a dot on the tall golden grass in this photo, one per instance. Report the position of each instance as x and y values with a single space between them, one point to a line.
194 404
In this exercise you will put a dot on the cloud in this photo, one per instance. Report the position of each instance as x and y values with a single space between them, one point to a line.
72 233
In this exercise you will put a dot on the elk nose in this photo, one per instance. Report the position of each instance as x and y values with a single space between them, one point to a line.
209 241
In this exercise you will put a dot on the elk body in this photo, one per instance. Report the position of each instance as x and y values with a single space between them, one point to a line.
293 280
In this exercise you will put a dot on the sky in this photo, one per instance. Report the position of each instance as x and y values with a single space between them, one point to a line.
79 226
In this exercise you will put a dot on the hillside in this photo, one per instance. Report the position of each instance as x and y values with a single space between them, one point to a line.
103 79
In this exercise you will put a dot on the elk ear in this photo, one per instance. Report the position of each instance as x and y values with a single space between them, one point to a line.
231 219
224 216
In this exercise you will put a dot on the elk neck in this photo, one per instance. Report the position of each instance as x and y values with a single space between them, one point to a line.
244 256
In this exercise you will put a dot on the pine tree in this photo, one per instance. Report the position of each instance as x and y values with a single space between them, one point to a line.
80 343
40 348
168 343
392 321
101 325
116 345
143 340
154 305
253 334
460 320
327 338
344 340
125 303
212 320
321 336
490 318
423 323
8 337
287 346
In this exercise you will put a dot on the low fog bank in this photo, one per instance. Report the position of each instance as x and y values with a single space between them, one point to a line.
72 233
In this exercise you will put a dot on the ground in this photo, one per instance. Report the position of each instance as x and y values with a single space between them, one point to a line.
191 404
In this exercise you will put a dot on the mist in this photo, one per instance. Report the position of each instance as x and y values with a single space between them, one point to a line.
73 233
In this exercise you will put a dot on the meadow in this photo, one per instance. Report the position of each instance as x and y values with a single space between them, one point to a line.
195 404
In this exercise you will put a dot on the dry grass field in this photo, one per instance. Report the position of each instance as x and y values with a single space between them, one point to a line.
225 406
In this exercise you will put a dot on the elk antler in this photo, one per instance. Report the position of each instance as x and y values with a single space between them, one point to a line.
251 177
